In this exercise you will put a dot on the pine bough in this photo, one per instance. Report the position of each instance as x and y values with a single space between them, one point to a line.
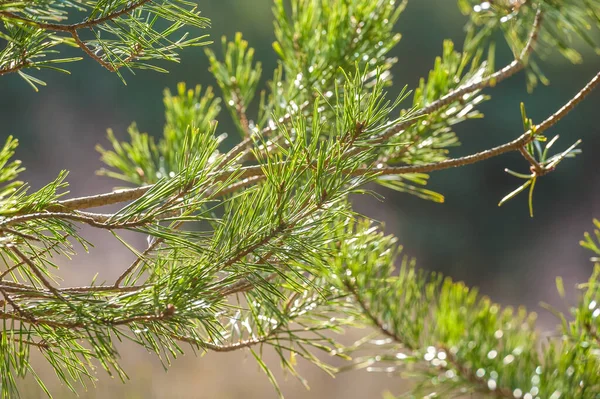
259 247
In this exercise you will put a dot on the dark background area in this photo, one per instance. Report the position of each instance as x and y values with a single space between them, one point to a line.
513 258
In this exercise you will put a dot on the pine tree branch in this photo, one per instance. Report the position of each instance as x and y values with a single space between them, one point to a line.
35 269
509 70
243 148
240 109
490 81
72 30
31 291
468 374
256 171
74 27
463 370
16 307
514 145
142 257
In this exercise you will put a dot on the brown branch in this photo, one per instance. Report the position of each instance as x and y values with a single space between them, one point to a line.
509 70
16 67
142 256
102 221
242 149
16 307
468 374
452 163
514 145
94 201
240 110
19 234
255 171
498 76
244 285
373 318
89 52
34 268
41 345
225 348
536 168
35 256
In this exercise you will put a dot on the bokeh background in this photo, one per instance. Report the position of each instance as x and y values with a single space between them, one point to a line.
512 258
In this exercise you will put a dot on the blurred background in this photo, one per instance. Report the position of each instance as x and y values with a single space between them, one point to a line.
513 258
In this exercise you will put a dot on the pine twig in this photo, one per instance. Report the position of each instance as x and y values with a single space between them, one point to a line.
514 145
74 27
35 256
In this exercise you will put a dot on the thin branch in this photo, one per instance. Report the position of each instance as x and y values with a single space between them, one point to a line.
89 52
72 30
16 307
41 345
373 318
451 163
78 217
514 145
142 257
15 67
254 171
481 383
535 166
19 234
34 268
35 256
240 110
94 201
498 76
242 149
568 107
226 348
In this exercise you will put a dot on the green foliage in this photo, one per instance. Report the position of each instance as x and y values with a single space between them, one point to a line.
592 242
269 253
237 77
9 170
143 161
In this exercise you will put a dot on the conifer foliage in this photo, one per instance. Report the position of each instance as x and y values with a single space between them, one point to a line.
258 247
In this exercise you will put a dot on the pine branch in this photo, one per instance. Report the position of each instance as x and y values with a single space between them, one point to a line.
256 171
248 172
77 26
515 145
242 255
31 38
